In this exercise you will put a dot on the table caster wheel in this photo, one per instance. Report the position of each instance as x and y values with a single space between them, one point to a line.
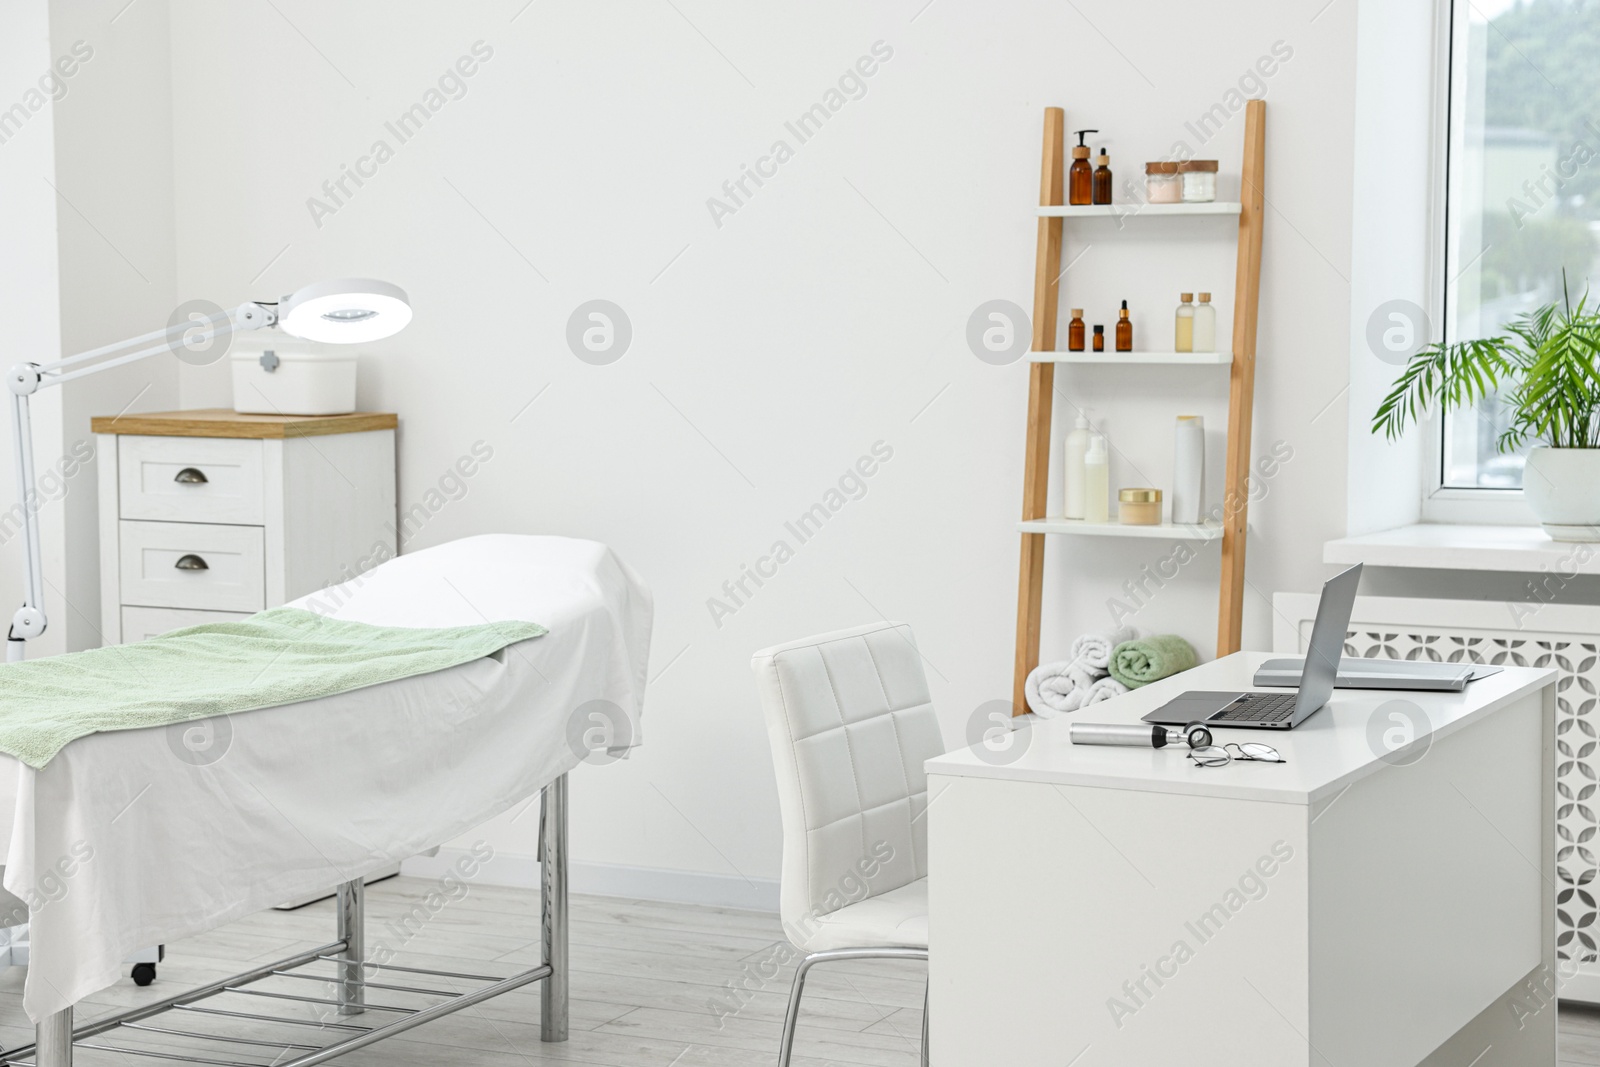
144 973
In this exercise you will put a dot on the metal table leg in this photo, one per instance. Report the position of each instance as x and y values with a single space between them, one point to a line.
54 1040
553 894
352 907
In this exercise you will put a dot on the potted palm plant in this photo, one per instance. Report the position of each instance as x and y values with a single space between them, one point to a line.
1547 368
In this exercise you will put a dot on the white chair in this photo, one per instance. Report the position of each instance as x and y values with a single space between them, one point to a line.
851 723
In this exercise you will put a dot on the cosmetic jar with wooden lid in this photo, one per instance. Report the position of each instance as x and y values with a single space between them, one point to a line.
1199 180
1139 507
1162 185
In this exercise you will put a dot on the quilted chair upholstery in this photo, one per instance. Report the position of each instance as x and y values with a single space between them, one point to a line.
851 723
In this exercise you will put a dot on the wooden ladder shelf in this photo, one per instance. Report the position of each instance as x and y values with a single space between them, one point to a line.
1041 382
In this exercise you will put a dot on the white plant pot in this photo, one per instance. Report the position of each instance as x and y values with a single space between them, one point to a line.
1562 486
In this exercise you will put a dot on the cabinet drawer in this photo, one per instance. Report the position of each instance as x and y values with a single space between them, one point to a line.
223 567
140 624
191 479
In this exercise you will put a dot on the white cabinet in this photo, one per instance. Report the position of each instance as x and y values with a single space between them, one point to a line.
210 515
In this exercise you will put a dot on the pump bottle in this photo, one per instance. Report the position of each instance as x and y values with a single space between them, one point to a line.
1096 481
1080 176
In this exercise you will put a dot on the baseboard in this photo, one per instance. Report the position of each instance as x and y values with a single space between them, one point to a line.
1583 987
611 880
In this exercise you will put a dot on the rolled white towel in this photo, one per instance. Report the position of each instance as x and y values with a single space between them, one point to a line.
1064 686
1094 649
1082 674
1052 689
1104 689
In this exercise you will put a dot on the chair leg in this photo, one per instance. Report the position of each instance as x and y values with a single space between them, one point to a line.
786 1049
926 990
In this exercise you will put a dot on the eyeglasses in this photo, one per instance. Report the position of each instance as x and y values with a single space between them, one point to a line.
1222 755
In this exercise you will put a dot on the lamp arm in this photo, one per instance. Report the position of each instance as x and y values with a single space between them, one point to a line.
247 316
144 338
25 379
56 378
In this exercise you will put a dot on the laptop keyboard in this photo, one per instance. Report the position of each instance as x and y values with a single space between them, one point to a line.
1258 707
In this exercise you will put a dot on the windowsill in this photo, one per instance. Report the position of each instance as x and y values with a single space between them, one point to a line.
1444 546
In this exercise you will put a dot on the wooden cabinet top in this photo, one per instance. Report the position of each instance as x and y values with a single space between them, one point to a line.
225 422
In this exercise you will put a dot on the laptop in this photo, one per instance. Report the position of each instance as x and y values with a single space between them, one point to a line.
1358 673
1279 711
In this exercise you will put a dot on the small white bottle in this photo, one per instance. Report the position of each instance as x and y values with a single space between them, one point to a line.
1077 445
1096 481
1205 325
1188 470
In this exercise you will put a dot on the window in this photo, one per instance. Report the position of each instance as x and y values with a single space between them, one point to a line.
1522 200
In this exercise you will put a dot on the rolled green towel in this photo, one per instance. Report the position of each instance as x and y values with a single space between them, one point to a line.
1150 659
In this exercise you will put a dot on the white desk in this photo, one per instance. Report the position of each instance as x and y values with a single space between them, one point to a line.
1103 907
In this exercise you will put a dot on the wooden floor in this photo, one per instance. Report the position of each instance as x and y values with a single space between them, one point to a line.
1580 1035
652 986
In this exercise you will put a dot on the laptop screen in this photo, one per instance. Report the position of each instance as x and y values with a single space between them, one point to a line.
1327 641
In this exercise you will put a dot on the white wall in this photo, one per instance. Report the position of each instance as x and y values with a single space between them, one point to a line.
29 278
114 163
770 352
88 239
1390 248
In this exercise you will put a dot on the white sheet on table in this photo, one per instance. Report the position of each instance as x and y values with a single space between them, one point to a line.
311 794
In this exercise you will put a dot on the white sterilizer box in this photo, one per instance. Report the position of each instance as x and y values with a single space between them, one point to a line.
297 378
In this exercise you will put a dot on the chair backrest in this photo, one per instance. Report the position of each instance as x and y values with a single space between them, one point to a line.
851 722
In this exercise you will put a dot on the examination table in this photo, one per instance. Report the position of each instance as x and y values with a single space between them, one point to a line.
144 837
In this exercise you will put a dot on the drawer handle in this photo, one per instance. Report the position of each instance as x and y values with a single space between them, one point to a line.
191 562
190 476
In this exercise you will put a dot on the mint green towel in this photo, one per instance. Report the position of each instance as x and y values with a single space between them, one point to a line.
1150 659
276 657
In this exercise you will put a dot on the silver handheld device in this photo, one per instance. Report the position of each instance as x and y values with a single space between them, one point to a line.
1140 735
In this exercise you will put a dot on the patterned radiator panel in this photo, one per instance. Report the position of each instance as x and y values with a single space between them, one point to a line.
1578 662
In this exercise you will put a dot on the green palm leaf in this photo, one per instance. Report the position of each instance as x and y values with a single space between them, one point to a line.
1549 366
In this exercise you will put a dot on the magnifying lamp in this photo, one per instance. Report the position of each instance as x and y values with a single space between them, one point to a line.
342 311
345 311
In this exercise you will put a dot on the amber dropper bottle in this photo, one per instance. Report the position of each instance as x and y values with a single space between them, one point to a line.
1124 330
1080 176
1102 178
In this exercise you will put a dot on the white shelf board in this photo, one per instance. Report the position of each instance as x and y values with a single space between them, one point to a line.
1196 359
1166 531
1135 211
1446 546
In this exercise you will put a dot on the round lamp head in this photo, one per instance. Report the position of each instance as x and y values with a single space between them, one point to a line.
345 311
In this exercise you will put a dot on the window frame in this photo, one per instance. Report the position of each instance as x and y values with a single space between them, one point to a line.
1442 503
